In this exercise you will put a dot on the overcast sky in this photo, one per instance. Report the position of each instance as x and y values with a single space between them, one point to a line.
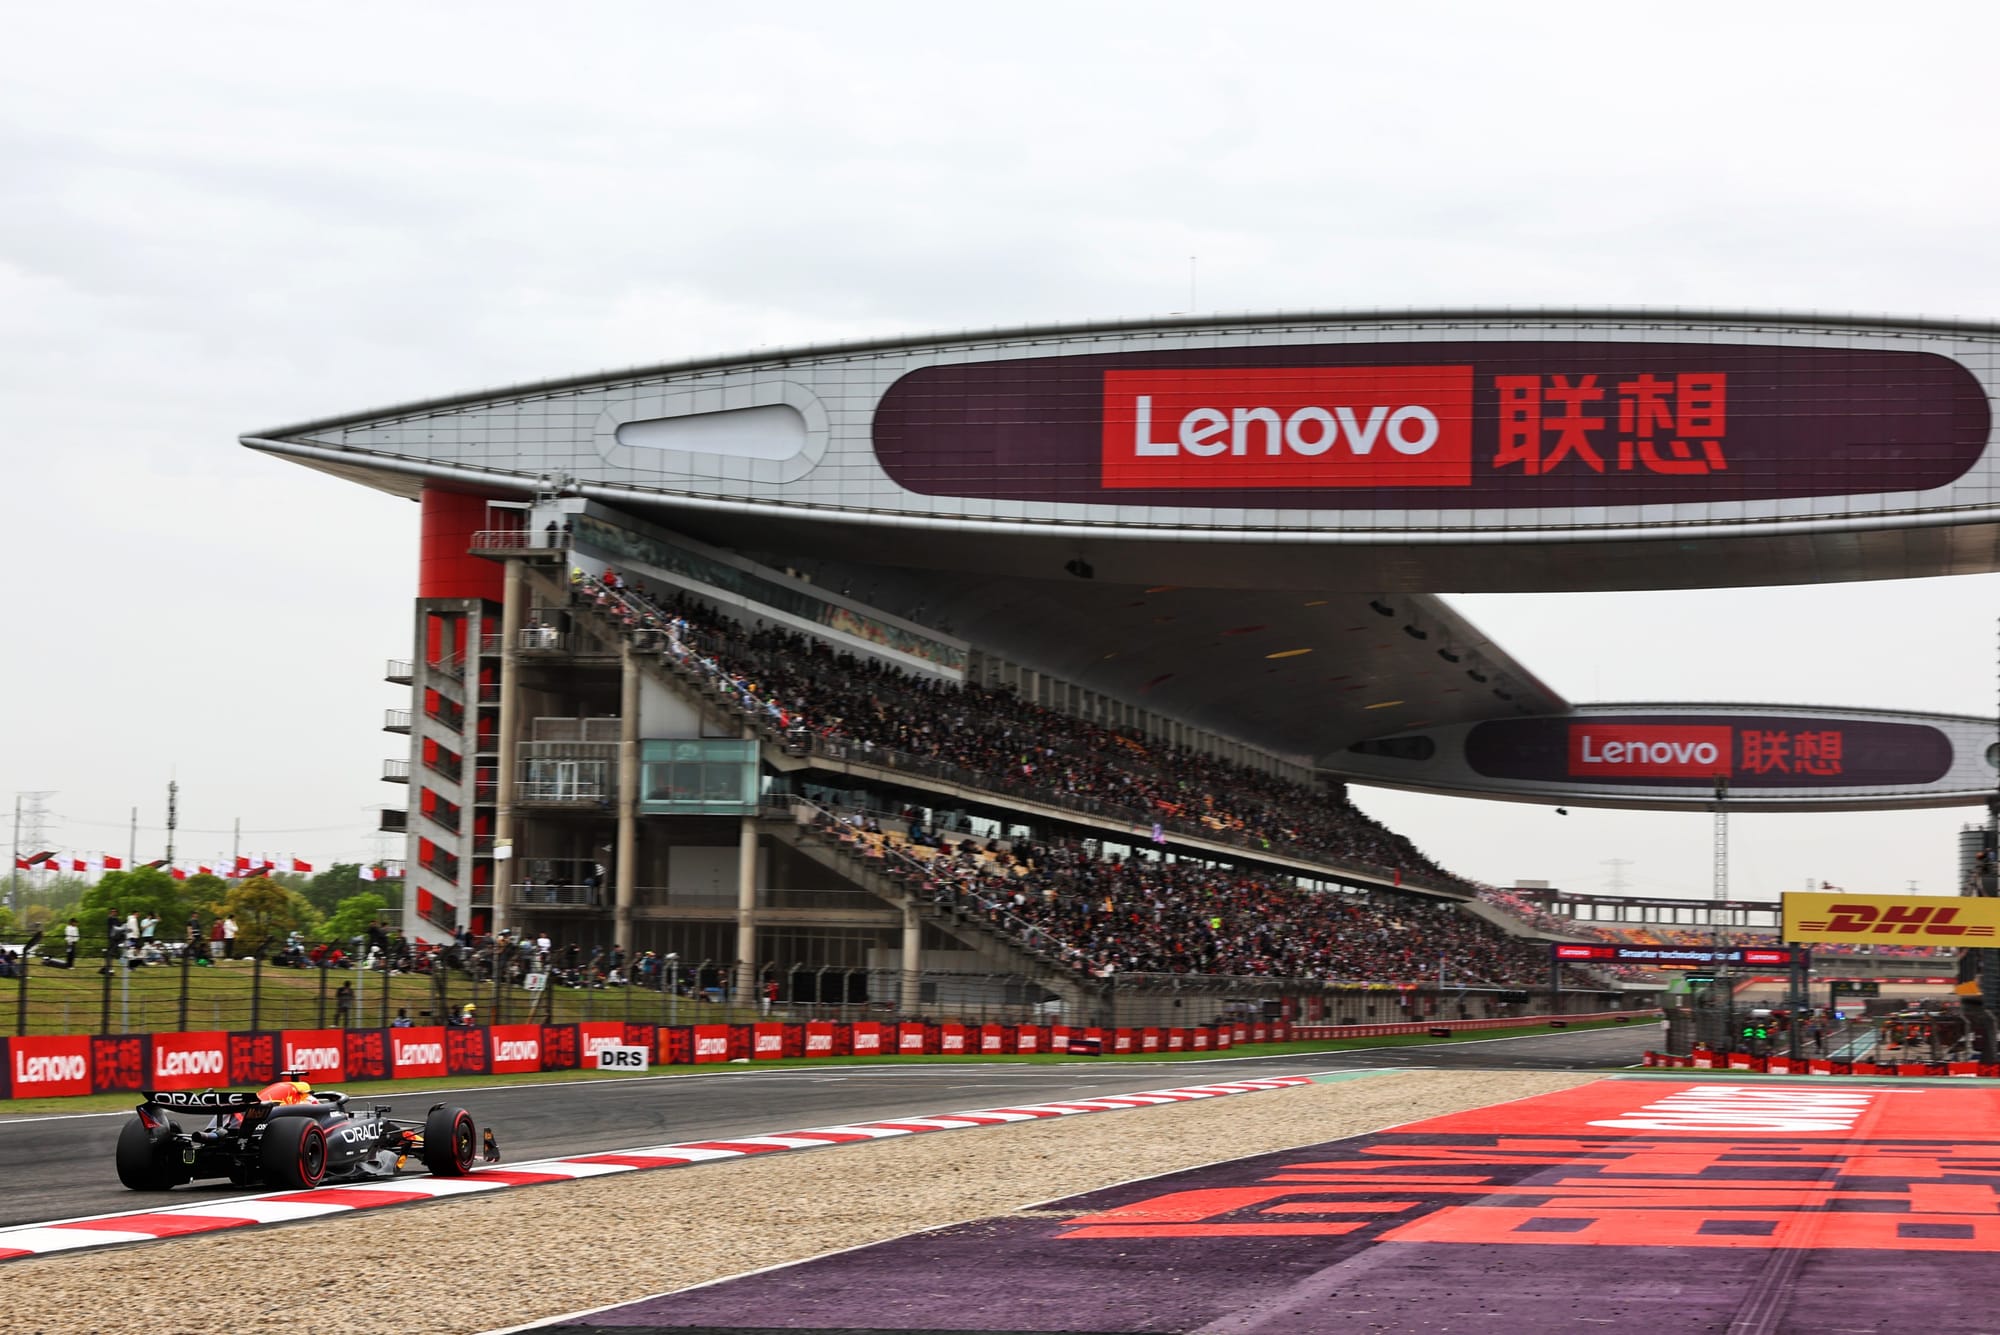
217 218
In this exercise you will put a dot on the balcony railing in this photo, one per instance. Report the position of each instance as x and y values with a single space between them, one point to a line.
558 896
400 670
395 771
520 540
396 720
541 640
442 864
446 711
445 765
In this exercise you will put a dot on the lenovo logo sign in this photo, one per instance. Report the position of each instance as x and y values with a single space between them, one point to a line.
1611 750
200 1062
1390 426
314 1060
47 1070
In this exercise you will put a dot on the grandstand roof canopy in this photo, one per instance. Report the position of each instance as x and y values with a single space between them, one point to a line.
1243 521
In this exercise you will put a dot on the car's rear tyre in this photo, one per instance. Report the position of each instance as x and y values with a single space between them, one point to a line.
451 1141
146 1164
294 1153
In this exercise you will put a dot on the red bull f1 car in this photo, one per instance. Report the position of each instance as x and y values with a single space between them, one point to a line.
287 1135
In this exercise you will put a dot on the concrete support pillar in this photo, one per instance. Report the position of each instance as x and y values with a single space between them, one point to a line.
513 609
746 914
913 961
627 875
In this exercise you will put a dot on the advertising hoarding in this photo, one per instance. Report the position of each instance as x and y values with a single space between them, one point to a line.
1474 424
1900 920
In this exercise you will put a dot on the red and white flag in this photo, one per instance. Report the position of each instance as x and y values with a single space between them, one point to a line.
293 864
178 872
371 873
242 864
113 864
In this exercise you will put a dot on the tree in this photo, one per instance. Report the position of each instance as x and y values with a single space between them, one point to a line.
204 894
334 886
142 890
352 917
264 911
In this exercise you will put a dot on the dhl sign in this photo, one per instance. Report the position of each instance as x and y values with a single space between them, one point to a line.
1905 920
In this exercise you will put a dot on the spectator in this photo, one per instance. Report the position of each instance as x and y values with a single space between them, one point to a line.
343 1005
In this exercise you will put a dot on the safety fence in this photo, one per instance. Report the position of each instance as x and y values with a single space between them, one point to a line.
57 1065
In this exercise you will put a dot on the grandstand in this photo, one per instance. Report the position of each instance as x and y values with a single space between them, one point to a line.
1082 631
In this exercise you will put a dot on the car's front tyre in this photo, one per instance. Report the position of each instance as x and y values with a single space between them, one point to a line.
451 1141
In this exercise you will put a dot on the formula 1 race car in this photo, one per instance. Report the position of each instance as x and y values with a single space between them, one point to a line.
286 1135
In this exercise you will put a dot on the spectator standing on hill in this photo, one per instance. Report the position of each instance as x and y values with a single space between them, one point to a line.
343 1005
71 935
229 938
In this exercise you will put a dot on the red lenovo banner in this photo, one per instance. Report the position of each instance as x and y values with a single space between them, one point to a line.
417 1051
711 1043
865 1039
819 1038
951 1038
768 1042
910 1039
516 1047
53 1065
1393 426
320 1053
189 1061
1618 750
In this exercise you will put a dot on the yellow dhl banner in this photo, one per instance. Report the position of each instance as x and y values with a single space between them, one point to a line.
1902 920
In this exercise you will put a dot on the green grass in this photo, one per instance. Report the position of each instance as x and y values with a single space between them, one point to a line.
388 1090
148 1000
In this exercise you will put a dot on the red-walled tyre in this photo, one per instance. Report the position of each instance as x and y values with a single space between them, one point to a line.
294 1153
450 1141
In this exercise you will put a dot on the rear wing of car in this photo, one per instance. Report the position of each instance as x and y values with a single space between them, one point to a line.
205 1099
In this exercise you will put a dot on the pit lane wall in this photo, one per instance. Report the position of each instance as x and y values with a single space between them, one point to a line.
43 1066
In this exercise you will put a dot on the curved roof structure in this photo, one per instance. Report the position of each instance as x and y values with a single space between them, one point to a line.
1244 521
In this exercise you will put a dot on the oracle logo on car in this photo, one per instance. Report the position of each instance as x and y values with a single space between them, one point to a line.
1383 426
1612 750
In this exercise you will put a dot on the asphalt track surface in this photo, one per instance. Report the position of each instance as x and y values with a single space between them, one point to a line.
60 1165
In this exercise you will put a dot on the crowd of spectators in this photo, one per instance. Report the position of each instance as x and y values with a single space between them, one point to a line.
1107 916
804 690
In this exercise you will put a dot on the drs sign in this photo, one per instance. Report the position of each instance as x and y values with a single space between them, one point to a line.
618 1057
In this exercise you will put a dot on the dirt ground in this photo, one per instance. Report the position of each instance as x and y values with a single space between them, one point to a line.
509 1257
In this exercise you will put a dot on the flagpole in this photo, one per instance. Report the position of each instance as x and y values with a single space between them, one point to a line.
132 844
14 876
